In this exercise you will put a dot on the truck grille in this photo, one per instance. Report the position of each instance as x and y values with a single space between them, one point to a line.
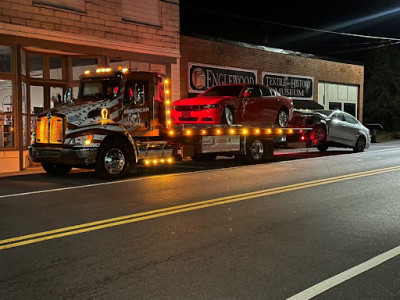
49 131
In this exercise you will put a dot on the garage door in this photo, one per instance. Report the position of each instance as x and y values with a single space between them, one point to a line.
338 96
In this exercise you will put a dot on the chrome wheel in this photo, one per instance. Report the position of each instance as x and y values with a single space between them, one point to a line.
114 161
283 118
257 150
228 116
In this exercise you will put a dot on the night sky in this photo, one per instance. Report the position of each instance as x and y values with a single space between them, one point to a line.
262 23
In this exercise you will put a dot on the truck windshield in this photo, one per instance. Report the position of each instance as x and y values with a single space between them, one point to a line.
100 88
224 90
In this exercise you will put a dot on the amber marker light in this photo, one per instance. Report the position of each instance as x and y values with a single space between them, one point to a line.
218 131
155 161
245 131
147 162
167 102
167 92
290 131
170 160
87 72
203 132
89 140
269 131
171 132
168 112
232 131
257 131
166 81
188 132
280 131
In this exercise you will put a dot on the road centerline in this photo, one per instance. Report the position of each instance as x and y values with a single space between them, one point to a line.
141 216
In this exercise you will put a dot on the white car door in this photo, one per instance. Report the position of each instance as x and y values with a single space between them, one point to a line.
341 131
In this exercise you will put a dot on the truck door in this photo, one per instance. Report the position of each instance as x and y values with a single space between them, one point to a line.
137 98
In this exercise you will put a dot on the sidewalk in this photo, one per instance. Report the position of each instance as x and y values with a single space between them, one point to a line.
26 171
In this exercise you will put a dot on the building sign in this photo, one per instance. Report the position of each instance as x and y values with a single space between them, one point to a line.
202 77
296 87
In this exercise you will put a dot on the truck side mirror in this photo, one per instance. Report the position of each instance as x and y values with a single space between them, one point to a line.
68 95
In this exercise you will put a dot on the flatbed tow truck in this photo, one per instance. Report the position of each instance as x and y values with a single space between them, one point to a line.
122 118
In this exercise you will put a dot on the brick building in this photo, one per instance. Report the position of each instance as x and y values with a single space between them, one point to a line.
332 84
46 44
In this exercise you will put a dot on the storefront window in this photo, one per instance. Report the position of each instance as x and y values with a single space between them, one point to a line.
81 64
25 139
6 116
36 65
56 67
115 63
5 59
56 96
23 96
23 63
37 99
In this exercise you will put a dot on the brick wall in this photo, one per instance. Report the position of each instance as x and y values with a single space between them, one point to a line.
101 25
232 55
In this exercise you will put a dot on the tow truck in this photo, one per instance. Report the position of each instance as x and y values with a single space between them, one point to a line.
121 118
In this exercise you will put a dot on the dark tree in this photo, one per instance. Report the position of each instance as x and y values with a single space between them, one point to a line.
382 88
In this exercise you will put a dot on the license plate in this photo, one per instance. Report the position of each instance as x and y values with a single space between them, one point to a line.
186 114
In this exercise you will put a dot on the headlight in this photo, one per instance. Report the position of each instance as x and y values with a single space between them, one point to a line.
82 140
208 106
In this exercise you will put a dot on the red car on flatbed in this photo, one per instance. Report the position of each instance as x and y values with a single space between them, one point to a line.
234 104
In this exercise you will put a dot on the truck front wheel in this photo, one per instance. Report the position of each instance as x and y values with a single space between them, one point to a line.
112 160
56 170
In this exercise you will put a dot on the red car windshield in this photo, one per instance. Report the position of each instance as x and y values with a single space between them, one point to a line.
224 90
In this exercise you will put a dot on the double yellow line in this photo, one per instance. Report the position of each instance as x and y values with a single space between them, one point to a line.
107 223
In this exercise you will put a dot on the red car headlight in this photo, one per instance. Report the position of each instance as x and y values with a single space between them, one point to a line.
208 106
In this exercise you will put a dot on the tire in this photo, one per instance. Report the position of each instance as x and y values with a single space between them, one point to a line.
56 170
112 159
227 116
204 157
360 144
322 147
283 118
255 151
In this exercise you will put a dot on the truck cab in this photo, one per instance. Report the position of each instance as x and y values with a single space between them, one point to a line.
118 118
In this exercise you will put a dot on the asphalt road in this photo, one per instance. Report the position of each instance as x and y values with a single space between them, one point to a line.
305 225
